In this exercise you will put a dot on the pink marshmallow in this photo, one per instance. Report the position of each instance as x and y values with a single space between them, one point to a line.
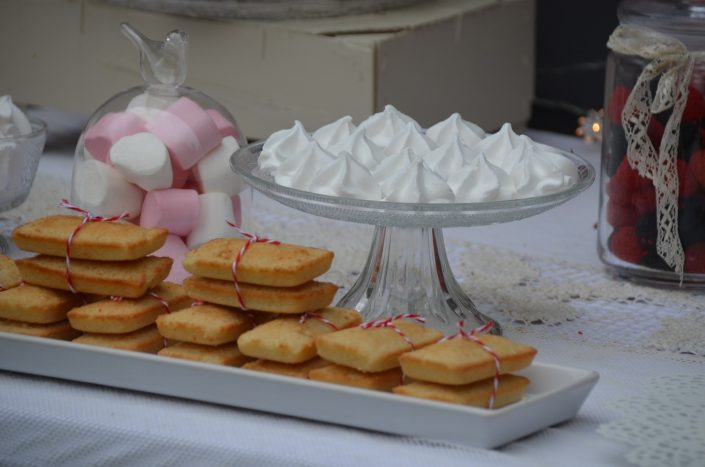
110 128
198 120
181 141
225 126
237 210
181 177
176 249
175 210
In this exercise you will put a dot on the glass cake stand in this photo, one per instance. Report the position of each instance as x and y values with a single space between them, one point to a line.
407 269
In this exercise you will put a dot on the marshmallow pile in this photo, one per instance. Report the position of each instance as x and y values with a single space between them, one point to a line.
389 157
166 162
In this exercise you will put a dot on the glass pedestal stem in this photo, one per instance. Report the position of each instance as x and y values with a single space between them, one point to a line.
407 271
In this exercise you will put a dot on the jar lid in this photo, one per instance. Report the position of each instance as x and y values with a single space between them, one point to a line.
684 19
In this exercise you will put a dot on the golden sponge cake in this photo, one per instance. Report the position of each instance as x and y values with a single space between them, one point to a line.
306 297
286 340
129 314
226 354
59 330
296 370
511 389
145 340
205 324
9 274
33 304
338 374
121 278
102 241
374 349
281 265
461 361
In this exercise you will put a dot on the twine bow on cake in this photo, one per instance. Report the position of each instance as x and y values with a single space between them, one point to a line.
250 240
672 64
87 217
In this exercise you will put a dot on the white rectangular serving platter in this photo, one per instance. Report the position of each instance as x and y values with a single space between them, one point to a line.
554 395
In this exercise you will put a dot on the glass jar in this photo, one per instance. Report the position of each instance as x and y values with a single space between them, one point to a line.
629 220
160 154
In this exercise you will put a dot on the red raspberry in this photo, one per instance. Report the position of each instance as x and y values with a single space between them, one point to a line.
644 199
625 245
695 258
615 106
697 166
619 215
687 183
694 107
625 182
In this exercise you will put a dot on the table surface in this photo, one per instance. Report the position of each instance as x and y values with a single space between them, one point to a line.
48 421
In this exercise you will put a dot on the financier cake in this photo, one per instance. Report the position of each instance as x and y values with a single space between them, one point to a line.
282 265
225 354
9 274
146 340
129 279
287 340
375 349
511 389
205 324
338 374
33 304
103 241
294 370
306 297
461 361
129 314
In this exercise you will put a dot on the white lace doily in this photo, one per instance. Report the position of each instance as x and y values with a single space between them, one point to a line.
666 425
525 293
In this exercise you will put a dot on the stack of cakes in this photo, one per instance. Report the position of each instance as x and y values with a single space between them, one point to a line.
32 310
270 279
287 345
463 369
368 356
107 259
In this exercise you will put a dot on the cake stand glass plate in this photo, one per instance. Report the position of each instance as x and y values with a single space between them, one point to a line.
407 269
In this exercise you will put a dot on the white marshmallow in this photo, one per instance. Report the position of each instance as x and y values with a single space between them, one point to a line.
216 209
213 172
143 160
101 189
148 106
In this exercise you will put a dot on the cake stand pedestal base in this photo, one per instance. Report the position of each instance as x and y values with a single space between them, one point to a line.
407 271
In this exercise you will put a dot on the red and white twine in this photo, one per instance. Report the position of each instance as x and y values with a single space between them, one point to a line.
319 317
389 323
251 239
165 304
87 217
472 336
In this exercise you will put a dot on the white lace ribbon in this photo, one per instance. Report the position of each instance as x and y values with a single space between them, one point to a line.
672 64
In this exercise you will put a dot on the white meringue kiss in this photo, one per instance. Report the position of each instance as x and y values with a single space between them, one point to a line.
281 145
381 127
298 171
481 181
534 175
390 167
418 184
455 127
361 149
447 159
496 146
334 133
347 178
411 137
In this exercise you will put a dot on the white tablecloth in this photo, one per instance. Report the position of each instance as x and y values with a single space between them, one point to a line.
53 422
